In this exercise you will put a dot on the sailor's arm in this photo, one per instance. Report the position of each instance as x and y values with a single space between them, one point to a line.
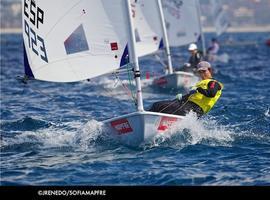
212 88
191 92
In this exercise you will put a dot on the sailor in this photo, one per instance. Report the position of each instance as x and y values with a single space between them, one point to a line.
194 59
212 50
200 99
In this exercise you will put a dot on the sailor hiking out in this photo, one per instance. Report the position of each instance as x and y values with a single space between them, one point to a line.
200 99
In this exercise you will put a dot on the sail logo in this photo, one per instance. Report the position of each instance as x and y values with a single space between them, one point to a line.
114 46
166 122
122 126
161 81
177 3
181 34
173 7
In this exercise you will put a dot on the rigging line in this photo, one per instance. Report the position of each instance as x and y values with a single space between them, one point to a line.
129 92
161 62
174 101
130 84
124 70
183 104
120 71
110 91
82 114
123 85
159 59
180 107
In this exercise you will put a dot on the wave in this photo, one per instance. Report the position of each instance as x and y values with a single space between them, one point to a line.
71 135
77 135
192 131
27 123
267 112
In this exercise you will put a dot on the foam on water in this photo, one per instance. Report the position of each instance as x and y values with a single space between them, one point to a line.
79 135
71 134
192 131
267 112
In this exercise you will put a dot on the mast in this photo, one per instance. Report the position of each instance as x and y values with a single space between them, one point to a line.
165 36
133 58
200 23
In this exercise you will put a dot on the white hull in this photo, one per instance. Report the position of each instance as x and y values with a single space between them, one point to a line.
140 127
176 80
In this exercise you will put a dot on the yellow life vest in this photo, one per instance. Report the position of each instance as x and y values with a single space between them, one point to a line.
206 103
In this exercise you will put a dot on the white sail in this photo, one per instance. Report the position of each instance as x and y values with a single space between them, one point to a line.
73 40
220 17
147 26
182 21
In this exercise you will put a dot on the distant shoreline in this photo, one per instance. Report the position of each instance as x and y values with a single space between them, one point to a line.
10 30
241 29
206 29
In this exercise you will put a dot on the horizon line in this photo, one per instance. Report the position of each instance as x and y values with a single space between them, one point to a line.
205 29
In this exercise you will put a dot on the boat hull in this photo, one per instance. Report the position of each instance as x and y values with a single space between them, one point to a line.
176 80
267 42
141 127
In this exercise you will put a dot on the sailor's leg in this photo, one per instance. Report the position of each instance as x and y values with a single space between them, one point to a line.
162 106
189 106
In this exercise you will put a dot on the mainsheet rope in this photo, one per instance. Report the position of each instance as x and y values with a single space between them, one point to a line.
25 80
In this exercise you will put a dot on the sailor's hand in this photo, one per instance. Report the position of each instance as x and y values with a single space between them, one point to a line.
179 97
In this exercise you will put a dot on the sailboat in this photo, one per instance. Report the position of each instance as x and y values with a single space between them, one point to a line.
180 26
219 16
73 40
267 42
221 24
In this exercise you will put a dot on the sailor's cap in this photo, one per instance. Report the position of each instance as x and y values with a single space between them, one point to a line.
203 65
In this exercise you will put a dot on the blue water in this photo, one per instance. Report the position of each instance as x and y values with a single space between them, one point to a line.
51 133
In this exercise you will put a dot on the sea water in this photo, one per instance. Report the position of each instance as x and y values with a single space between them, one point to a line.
52 134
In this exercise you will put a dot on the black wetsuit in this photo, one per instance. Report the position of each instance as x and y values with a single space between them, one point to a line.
184 106
177 107
195 59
